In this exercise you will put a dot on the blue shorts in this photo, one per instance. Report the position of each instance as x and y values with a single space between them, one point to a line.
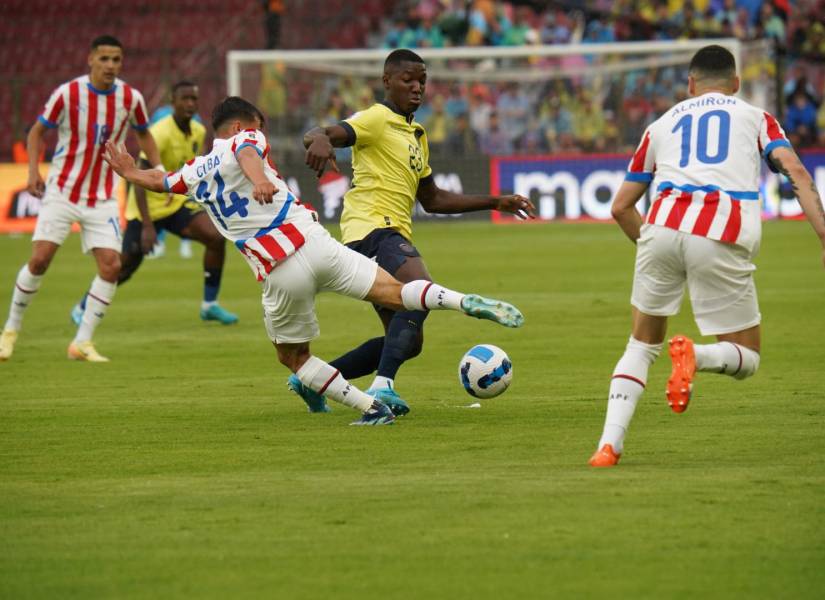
176 223
387 247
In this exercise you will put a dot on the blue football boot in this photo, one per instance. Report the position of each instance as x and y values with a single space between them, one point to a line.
492 310
217 313
377 414
389 397
316 403
77 314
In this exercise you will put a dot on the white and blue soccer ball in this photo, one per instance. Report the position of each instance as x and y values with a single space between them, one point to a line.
485 371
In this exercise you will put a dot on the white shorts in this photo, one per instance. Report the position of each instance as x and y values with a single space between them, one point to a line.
719 278
322 264
99 226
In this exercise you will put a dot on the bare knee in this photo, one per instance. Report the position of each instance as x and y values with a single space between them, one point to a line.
41 258
293 356
109 267
38 264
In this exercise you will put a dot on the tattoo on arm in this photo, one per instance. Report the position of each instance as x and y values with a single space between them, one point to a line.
815 192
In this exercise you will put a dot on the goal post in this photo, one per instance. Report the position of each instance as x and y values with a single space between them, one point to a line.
568 176
236 58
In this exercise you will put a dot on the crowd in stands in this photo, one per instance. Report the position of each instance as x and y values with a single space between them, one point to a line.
437 23
606 114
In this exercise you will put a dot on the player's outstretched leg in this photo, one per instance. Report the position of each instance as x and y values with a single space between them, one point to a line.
428 295
626 387
320 377
725 358
25 287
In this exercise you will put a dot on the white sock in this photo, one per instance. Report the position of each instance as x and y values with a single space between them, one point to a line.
100 297
326 379
380 383
626 387
427 295
25 287
207 305
726 358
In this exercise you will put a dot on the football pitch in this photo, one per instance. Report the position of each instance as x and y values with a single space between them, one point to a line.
185 469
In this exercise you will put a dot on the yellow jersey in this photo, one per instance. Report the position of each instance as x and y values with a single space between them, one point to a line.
389 157
175 149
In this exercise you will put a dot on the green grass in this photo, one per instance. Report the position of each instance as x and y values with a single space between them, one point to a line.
184 468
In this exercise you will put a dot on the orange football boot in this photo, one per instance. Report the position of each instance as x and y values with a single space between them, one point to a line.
680 382
604 457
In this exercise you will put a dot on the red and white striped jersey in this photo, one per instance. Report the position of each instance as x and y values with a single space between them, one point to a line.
264 233
85 119
704 159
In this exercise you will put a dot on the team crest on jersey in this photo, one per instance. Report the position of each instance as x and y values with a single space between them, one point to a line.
104 133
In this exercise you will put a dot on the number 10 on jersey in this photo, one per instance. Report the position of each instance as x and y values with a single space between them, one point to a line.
717 121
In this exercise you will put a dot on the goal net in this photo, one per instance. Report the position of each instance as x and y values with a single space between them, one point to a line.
556 123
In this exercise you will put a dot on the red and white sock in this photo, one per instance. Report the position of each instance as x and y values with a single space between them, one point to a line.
25 287
427 295
326 379
726 358
626 387
100 297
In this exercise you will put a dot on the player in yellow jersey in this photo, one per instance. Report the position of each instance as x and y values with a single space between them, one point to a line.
391 171
179 138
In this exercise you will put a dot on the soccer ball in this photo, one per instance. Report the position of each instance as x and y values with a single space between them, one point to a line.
485 371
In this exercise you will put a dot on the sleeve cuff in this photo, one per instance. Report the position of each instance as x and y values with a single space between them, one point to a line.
46 123
781 143
351 137
166 183
639 177
143 127
249 145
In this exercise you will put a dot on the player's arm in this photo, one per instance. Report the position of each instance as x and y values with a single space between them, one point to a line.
124 165
148 234
624 208
252 165
436 200
34 143
147 145
321 143
787 162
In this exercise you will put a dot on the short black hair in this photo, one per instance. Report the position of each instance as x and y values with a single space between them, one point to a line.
235 107
182 84
714 62
106 40
402 55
